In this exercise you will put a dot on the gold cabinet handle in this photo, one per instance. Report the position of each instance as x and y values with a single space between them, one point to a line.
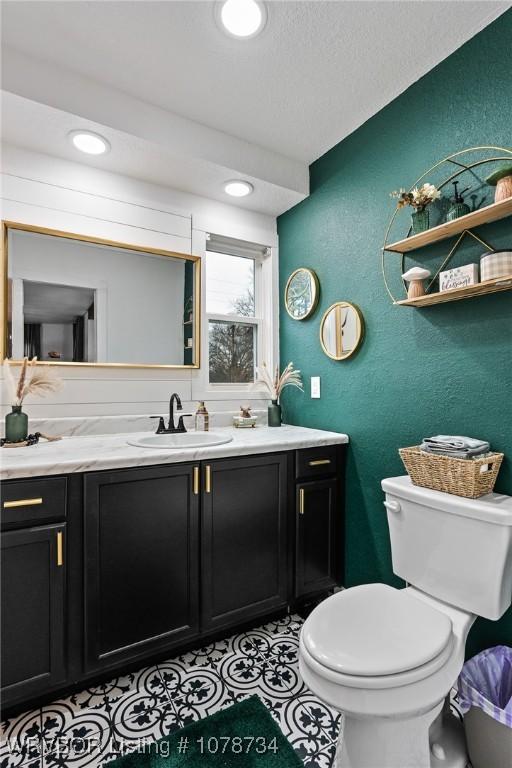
22 503
196 480
319 462
301 501
60 554
208 479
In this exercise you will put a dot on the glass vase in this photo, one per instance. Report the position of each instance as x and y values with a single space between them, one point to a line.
16 425
456 211
274 414
420 221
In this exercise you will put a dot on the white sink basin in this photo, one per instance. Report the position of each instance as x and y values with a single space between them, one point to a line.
181 440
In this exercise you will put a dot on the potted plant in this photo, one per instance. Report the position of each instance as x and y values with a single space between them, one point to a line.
502 180
275 385
418 198
32 380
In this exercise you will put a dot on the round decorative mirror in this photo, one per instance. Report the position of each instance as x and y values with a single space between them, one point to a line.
341 330
301 293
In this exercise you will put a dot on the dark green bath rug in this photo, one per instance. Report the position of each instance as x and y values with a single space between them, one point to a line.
242 736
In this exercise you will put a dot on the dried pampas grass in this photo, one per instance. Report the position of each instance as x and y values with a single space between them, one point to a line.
275 385
21 381
9 384
32 380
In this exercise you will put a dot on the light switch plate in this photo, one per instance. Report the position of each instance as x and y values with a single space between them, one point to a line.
315 387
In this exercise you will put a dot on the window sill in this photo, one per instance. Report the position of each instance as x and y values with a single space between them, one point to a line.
231 391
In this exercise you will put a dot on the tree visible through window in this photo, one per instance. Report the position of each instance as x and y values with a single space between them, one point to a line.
232 347
232 325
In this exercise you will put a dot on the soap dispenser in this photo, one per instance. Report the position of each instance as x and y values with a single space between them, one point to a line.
458 207
202 420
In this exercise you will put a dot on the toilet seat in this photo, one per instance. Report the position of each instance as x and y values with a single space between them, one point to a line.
376 631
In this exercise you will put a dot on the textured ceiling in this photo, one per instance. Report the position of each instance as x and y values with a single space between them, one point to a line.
317 72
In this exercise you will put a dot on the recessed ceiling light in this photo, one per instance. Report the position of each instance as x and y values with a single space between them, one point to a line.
237 188
241 18
89 142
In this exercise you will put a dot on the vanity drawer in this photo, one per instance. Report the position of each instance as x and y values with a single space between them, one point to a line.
33 501
316 462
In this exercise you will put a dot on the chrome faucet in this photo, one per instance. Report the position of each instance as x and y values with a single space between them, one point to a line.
171 429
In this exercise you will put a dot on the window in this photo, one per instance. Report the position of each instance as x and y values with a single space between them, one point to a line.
233 310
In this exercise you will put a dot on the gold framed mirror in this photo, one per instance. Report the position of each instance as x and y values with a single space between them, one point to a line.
341 330
301 293
71 299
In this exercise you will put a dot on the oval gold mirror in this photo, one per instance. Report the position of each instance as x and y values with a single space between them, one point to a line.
301 293
341 330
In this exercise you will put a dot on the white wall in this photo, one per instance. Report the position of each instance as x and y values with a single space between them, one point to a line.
48 192
59 337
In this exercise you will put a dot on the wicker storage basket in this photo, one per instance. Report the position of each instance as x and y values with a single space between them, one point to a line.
463 477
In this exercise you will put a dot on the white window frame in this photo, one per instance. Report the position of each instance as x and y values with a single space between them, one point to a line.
266 289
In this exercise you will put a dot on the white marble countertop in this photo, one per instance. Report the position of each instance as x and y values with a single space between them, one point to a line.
97 452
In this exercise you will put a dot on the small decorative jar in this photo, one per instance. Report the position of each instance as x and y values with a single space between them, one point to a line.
495 265
274 414
16 425
420 221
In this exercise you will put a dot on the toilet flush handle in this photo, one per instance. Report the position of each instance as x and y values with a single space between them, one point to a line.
392 506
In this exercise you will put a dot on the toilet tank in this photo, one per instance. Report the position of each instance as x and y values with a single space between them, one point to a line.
455 549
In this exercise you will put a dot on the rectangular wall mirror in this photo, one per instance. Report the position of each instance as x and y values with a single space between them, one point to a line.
72 299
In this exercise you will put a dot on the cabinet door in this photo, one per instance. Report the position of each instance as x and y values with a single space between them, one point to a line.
244 539
141 561
319 544
33 611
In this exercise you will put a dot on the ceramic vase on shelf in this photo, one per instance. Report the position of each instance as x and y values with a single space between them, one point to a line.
420 221
503 189
274 414
502 180
16 425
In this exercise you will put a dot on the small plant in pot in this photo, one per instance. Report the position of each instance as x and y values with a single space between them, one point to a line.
418 198
275 385
32 380
502 180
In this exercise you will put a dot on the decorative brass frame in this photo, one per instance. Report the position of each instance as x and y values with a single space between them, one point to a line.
316 292
462 167
452 251
9 225
337 306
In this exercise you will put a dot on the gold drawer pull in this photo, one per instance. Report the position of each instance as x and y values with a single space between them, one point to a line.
196 481
60 556
208 479
22 503
301 501
319 462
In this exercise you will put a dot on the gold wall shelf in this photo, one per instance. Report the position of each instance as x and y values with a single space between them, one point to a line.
456 294
469 161
471 220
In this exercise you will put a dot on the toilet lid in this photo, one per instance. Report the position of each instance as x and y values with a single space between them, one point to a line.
375 630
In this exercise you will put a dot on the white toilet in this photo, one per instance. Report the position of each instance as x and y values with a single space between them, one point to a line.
387 658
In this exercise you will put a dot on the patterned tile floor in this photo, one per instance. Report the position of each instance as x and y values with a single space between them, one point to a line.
92 727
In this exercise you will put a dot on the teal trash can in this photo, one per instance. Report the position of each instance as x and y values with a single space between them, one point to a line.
485 698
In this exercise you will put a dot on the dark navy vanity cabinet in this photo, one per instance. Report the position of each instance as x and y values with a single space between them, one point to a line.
33 579
141 549
319 524
244 539
103 571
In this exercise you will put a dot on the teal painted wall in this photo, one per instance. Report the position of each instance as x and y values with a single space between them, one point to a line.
419 372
